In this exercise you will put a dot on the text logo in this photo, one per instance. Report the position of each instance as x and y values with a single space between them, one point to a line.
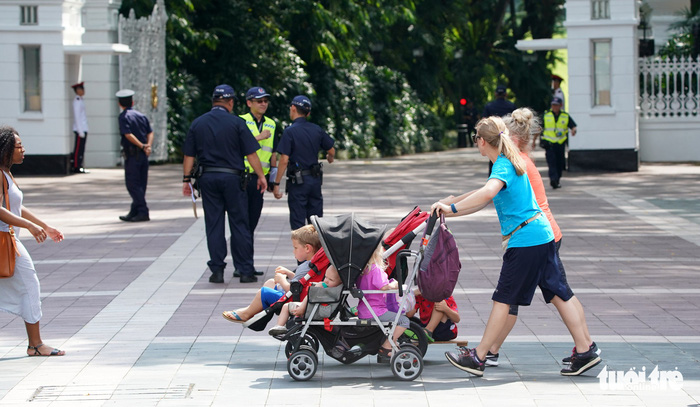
634 379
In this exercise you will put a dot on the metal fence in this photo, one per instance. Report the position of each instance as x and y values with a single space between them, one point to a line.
669 87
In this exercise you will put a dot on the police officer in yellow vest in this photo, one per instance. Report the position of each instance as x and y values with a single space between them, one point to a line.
554 140
263 128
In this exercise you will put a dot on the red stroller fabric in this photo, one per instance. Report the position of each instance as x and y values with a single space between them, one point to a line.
403 232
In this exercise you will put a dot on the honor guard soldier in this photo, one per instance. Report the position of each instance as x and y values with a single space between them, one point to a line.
298 148
80 128
220 140
263 128
554 140
556 90
136 141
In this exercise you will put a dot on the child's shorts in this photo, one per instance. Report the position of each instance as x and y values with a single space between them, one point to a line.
445 331
390 316
521 272
269 296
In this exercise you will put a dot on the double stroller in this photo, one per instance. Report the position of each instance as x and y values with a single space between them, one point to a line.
348 243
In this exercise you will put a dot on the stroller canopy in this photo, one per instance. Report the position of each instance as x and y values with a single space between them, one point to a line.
349 242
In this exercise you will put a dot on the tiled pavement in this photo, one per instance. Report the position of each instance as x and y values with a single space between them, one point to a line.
131 304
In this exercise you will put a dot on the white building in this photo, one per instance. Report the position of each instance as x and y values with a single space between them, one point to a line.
48 45
621 122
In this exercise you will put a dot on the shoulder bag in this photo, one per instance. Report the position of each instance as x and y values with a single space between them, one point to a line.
8 245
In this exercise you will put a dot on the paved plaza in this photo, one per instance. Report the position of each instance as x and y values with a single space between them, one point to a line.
141 325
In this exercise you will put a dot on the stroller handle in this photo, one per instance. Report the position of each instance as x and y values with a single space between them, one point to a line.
431 224
402 261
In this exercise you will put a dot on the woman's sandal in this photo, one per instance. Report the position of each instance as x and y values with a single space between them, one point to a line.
54 352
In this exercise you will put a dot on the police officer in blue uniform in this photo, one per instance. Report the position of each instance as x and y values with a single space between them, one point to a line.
298 149
220 140
136 141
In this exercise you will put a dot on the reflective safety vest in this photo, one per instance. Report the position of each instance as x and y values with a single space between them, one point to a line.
556 132
265 152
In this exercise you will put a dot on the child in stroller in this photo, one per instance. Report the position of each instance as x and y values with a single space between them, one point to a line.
330 279
349 244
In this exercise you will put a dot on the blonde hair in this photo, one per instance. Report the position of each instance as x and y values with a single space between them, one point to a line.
307 234
494 132
376 259
523 126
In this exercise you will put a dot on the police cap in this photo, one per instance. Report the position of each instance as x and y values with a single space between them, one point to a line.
125 93
556 101
256 93
223 92
500 90
302 102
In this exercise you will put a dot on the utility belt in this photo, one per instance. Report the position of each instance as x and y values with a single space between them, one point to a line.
131 150
245 175
296 175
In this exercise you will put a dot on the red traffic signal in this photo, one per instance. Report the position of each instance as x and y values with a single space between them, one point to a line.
463 102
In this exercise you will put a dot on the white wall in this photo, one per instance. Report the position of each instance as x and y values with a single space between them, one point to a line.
669 140
101 76
603 127
42 132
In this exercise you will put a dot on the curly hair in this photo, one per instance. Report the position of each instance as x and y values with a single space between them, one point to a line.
7 146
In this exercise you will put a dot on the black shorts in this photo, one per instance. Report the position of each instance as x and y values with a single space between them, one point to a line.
443 332
521 273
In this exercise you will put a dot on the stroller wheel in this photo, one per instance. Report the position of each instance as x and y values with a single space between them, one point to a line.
302 365
407 363
309 341
417 338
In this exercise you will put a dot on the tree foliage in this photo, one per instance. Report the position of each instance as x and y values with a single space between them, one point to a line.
384 76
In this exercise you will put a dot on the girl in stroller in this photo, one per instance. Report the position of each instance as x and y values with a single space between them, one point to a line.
373 277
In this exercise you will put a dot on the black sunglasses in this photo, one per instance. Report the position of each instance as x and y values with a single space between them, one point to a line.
474 137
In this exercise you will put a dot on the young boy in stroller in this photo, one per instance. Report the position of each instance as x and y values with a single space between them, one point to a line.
350 244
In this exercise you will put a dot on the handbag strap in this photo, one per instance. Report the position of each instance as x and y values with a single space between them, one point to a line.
5 197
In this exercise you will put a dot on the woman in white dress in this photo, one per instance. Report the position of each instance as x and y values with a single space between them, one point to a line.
19 294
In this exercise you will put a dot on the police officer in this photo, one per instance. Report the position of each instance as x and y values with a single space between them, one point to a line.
263 128
80 128
556 131
220 140
298 148
498 107
136 141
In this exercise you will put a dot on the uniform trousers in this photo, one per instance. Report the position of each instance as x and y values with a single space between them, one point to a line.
556 161
136 177
221 196
304 200
79 150
255 203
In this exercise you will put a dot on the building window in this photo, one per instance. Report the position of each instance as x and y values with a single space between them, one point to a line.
601 72
31 80
600 9
29 15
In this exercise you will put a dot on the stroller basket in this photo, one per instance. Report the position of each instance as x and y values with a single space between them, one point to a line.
323 302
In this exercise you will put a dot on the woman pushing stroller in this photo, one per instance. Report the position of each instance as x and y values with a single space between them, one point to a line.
529 260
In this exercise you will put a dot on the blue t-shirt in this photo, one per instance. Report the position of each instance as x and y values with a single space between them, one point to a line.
301 142
220 139
515 204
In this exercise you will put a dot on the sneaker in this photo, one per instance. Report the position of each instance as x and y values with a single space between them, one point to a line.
491 359
277 330
593 347
580 363
468 362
